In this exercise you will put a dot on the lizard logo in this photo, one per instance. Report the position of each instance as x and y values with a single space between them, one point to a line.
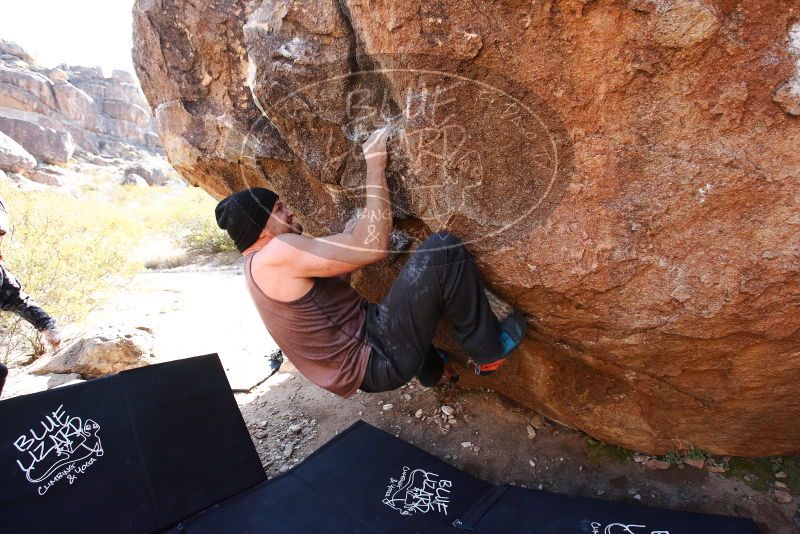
62 446
418 491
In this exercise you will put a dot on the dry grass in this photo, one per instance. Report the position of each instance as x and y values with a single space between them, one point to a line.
68 252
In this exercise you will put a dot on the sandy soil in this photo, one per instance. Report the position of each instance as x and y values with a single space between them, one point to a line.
203 309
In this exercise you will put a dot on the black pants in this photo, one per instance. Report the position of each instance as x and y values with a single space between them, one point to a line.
440 279
3 375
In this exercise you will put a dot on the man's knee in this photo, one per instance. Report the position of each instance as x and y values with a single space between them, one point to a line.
447 238
444 241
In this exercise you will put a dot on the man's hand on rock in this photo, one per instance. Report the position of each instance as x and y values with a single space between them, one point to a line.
53 337
375 147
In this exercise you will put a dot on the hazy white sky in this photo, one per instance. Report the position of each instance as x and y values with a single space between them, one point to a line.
77 32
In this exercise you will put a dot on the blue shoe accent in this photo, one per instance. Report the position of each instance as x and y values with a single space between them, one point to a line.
509 343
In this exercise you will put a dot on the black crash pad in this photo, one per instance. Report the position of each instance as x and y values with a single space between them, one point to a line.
131 453
368 481
164 448
362 481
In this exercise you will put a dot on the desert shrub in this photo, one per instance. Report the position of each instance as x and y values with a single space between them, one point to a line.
66 252
698 454
184 215
205 237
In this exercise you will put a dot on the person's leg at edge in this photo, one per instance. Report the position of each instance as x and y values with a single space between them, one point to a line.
3 375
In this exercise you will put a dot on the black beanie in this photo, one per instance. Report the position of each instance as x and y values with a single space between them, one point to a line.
244 215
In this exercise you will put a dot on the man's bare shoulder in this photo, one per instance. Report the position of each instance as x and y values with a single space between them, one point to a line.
279 250
320 257
276 275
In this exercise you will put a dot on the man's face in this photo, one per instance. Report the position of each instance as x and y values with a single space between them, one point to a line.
281 221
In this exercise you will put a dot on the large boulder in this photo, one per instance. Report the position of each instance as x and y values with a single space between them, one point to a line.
75 104
125 111
46 175
46 144
623 172
103 352
152 174
123 76
25 89
23 183
13 49
133 179
13 157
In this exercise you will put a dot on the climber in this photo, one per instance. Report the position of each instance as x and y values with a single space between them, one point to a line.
337 340
14 299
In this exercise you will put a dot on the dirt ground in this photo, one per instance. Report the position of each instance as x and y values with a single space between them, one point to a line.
202 309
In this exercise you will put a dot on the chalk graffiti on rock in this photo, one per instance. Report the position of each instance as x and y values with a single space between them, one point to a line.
468 150
61 446
430 132
418 491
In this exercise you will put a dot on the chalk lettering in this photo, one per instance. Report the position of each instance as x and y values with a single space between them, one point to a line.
54 452
419 492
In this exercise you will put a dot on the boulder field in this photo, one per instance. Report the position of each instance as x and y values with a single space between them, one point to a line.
52 112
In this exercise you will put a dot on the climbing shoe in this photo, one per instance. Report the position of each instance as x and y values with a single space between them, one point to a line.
512 332
449 375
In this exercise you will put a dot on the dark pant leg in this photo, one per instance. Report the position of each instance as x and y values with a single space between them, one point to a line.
440 279
3 375
385 373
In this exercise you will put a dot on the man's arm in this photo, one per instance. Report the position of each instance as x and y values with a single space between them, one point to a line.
374 228
348 229
368 239
14 299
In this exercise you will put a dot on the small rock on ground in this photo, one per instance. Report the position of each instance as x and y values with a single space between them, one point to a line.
655 464
783 497
695 463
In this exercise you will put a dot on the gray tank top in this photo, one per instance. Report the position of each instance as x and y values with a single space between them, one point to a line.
322 333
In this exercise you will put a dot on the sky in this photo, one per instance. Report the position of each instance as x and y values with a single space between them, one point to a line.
77 32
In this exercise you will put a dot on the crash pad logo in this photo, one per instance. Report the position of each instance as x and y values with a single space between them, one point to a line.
623 528
62 446
418 491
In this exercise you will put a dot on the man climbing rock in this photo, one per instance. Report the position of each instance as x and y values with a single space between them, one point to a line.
327 330
14 299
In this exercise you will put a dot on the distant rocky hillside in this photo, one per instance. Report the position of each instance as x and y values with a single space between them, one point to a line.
52 116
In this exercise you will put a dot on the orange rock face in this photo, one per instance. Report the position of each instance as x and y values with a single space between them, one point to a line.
627 173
